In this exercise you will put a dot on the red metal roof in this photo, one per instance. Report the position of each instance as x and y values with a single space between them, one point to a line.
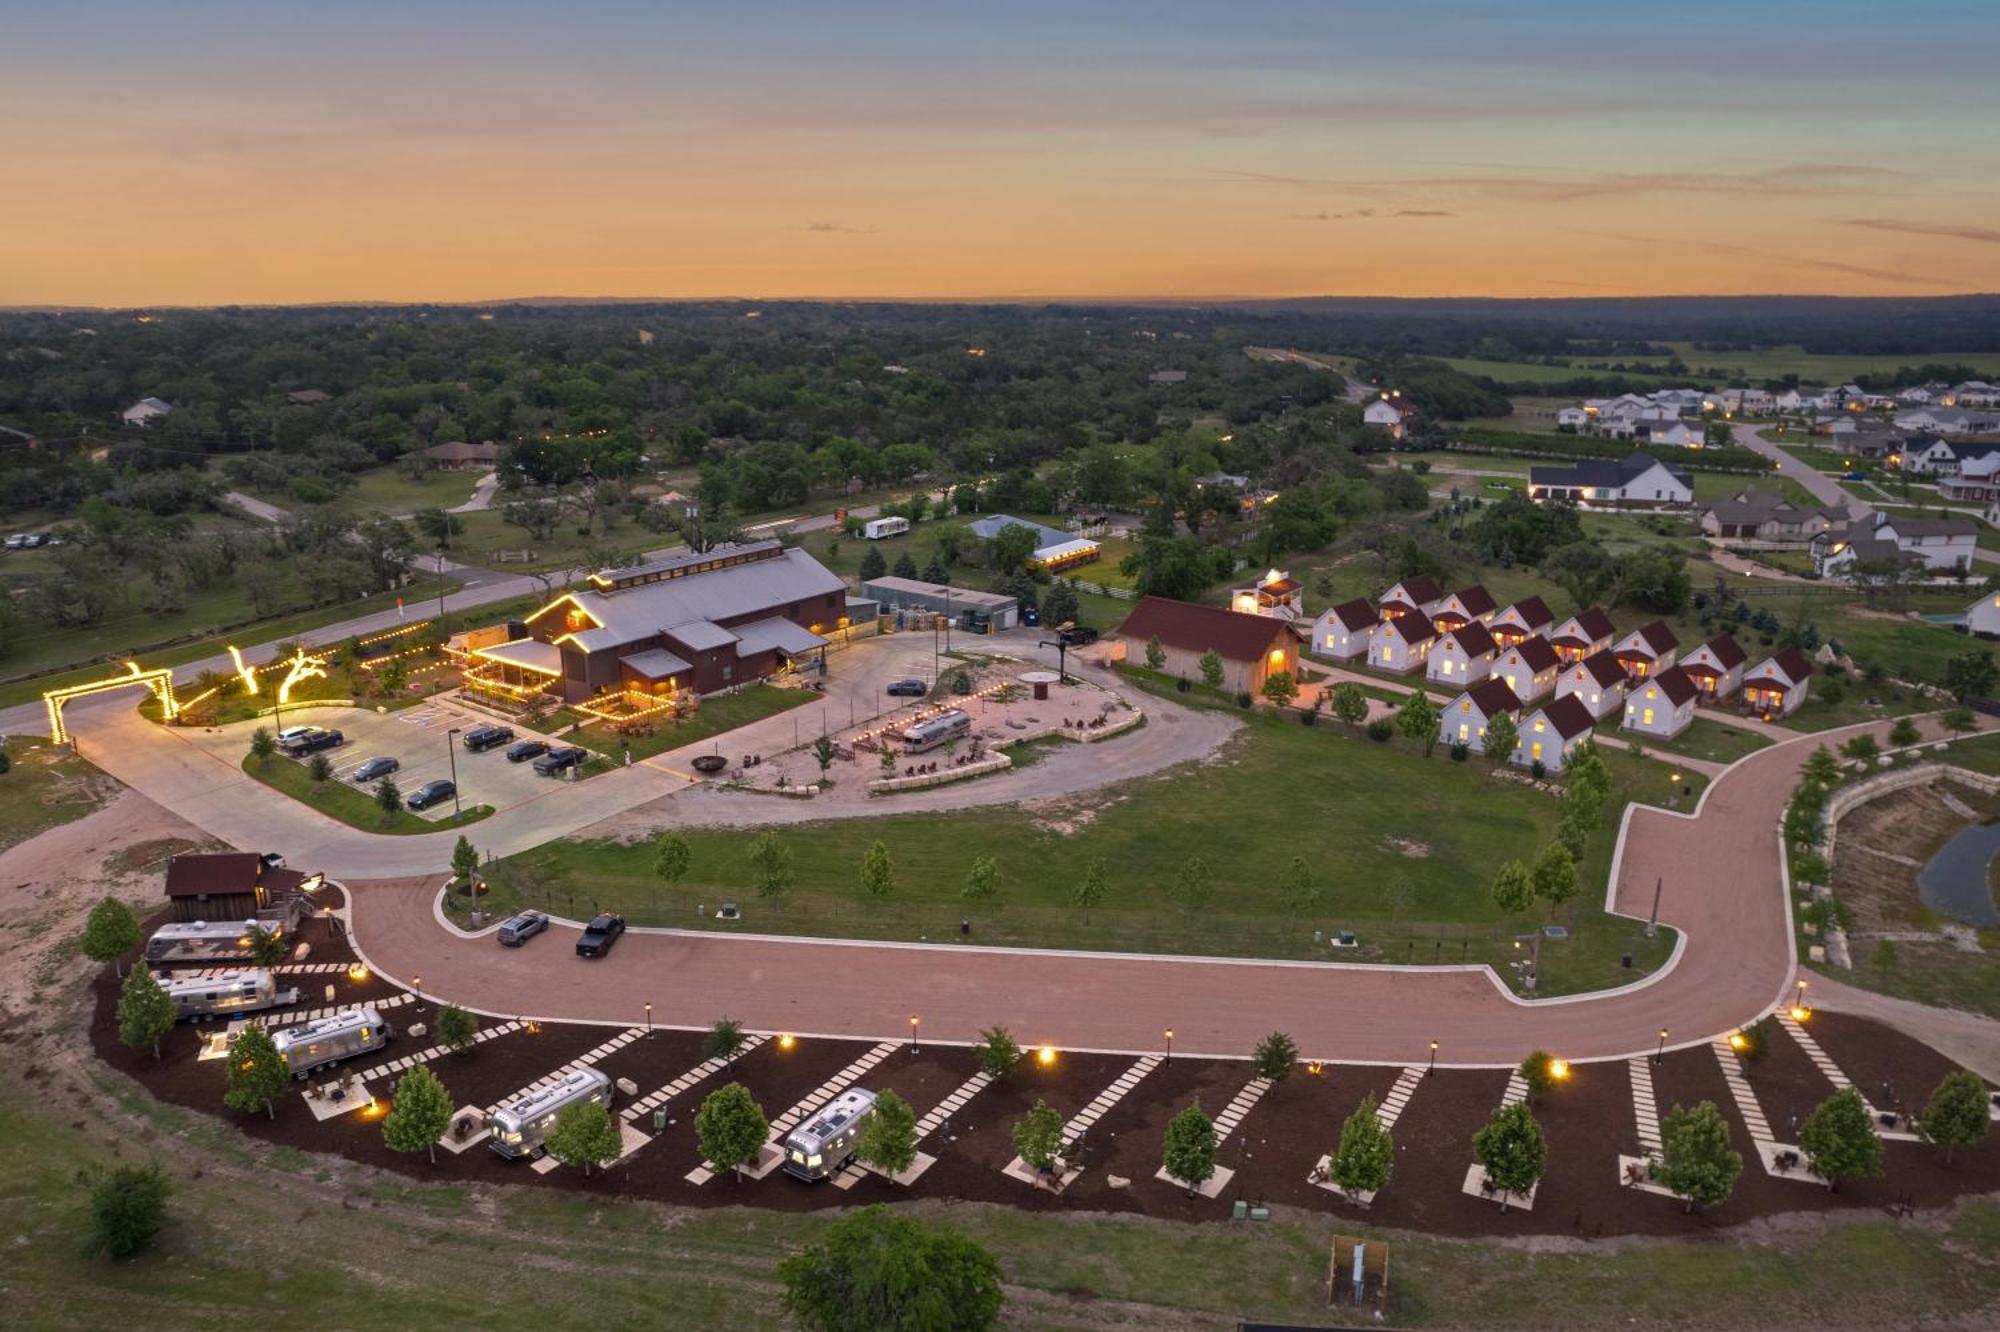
1474 638
1674 683
1359 613
1569 716
1536 654
1492 697
1603 667
1232 635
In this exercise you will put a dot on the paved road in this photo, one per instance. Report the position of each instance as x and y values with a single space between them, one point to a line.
1817 483
259 509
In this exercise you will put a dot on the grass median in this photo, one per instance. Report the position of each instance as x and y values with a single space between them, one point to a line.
351 805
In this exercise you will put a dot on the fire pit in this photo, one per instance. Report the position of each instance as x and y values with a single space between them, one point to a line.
710 763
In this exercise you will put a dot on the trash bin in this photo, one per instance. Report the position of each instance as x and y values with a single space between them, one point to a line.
659 1119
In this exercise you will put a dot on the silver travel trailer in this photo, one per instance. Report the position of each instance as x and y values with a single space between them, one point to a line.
934 731
329 1040
825 1143
522 1125
206 941
214 994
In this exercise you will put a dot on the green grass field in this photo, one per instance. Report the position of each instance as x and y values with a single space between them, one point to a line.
718 714
388 490
1757 366
1717 742
352 805
46 785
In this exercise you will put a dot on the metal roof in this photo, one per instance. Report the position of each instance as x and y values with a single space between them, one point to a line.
676 606
775 633
655 664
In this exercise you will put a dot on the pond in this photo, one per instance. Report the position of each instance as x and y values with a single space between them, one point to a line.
1954 882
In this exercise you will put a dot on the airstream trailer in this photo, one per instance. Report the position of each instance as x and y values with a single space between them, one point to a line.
934 731
329 1040
522 1125
825 1143
213 994
206 941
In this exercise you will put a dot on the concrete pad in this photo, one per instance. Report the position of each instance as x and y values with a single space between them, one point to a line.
630 1140
1475 1181
1211 1187
769 1158
1021 1170
1645 1183
1768 1152
1360 1197
323 1108
215 1045
542 1165
851 1176
456 1145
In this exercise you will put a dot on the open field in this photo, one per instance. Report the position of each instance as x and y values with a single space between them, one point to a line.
1705 738
1756 366
45 785
392 491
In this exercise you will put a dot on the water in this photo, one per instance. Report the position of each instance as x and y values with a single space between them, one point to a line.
1954 882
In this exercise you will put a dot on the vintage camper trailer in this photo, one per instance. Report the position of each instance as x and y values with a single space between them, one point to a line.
216 994
825 1143
521 1126
934 731
329 1040
206 941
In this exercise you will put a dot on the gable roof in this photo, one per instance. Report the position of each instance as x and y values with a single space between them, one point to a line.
1233 635
464 451
1594 625
1569 716
688 606
1474 638
1420 591
1359 613
1791 662
1674 683
994 524
1656 636
1603 667
1533 612
1492 697
1412 626
1601 474
1536 654
1476 600
1728 654
224 873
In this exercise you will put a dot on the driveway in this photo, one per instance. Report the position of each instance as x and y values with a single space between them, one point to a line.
1817 483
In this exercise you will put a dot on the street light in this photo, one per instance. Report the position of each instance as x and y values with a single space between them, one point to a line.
1675 778
649 1019
1170 1045
913 1033
1660 1054
1433 1067
451 752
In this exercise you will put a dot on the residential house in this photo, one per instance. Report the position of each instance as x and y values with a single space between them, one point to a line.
1550 733
1462 656
1582 634
1945 545
1464 606
1674 434
1647 649
1982 617
1420 593
1401 644
1524 619
308 397
1342 632
1766 517
1924 454
1977 475
145 411
1776 686
1276 594
1529 668
1464 719
1975 393
1252 647
1392 413
1576 418
1638 480
1221 481
1167 377
1662 706
1598 681
459 455
1960 420
1716 667
1053 550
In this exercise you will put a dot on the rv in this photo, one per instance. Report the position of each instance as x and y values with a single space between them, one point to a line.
206 941
877 528
931 733
522 1125
825 1143
216 993
331 1039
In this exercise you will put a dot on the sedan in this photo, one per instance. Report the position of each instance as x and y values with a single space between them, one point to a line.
431 793
376 767
526 749
518 929
907 689
599 935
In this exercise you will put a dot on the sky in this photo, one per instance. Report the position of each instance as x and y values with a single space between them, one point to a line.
203 153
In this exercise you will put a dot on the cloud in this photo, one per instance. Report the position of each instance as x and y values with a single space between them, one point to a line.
837 228
1325 216
1820 265
1985 235
1540 186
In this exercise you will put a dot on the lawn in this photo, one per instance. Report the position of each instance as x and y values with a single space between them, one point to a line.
1717 742
390 490
487 533
352 805
46 785
1765 363
1712 486
1413 887
717 714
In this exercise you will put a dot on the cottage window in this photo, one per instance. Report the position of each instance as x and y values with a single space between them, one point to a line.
1447 667
1647 717
1536 753
1465 707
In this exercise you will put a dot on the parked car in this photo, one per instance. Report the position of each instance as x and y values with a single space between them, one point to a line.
599 935
1079 636
293 734
376 767
522 751
559 759
313 741
482 738
907 689
431 793
17 541
520 928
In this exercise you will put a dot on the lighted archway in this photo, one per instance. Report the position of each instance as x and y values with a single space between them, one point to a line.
161 682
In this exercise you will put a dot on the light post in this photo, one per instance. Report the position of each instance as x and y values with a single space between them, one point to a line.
1433 1066
440 563
1660 1053
1170 1045
451 752
913 1033
417 988
1675 778
649 1019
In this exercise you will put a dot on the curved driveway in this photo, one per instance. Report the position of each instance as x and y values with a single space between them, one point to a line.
1724 888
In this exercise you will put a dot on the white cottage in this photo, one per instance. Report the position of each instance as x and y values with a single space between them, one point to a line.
1776 686
1580 635
1598 682
1341 632
1524 619
1464 719
1462 657
1647 649
1661 706
1550 733
1419 594
1402 644
1716 667
1529 668
1463 607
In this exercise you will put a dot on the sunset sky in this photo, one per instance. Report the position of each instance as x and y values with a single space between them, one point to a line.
272 152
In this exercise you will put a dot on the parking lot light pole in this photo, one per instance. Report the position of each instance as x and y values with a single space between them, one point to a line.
649 1019
1170 1045
1660 1054
451 752
1432 1067
913 1033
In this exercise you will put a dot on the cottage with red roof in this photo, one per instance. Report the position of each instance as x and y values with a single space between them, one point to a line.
1776 686
1464 719
1529 668
1580 635
1524 619
1463 656
1252 647
1716 667
1419 593
1549 734
1463 607
1661 706
1401 644
1647 650
1341 633
1598 680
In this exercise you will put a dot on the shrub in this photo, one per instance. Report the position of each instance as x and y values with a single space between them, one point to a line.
1380 730
1182 685
1459 752
127 1208
1243 699
1539 769
1309 717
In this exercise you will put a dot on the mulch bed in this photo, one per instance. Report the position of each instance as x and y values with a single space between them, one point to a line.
1873 1055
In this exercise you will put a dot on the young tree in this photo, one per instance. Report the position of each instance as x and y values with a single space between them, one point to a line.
257 1073
1957 1113
889 1137
1274 1057
1059 604
1885 956
906 567
1511 1148
262 746
388 798
457 1029
319 767
584 1135
127 1208
1280 688
1365 1155
998 1053
1971 674
822 750
772 860
878 871
1513 888
1210 664
1839 1140
1502 737
267 947
145 1012
873 566
1538 1072
1696 1160
1189 1152
1862 748
1193 886
876 1271
671 856
1573 833
1417 719
1349 703
1903 733
982 881
723 1039
730 1128
1959 719
1301 891
1090 889
1156 653
1555 876
1821 766
1038 1137
464 859
419 1114
109 932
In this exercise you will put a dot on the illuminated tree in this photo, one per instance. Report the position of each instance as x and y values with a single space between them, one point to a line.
258 1074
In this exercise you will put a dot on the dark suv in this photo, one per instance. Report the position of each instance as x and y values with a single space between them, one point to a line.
907 689
599 935
487 737
559 759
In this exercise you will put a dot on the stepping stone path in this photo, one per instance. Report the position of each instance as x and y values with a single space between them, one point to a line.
1475 1178
310 968
1768 1148
769 1157
646 1104
1840 1080
926 1126
292 1016
586 1060
1387 1111
483 1035
1225 1124
1635 1172
1080 1123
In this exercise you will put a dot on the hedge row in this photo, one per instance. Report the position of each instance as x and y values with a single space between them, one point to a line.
1484 439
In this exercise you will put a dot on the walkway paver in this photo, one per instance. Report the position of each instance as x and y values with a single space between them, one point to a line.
1770 1151
769 1157
1840 1080
1080 1123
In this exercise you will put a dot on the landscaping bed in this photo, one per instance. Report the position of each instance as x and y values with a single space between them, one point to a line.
351 805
